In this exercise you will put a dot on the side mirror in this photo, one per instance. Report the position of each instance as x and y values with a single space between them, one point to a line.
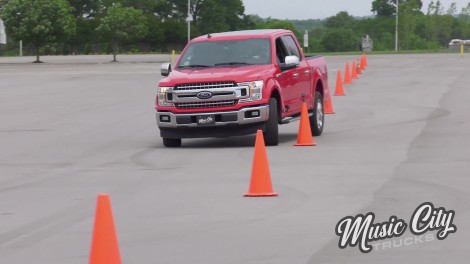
165 69
291 62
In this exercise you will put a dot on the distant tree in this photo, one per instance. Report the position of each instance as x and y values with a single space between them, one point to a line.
207 16
452 9
341 20
387 8
39 22
85 38
435 8
280 24
308 24
409 13
2 4
257 20
176 34
176 10
440 27
340 39
156 33
315 36
380 29
384 41
211 18
121 25
466 10
416 4
84 8
465 22
384 8
248 22
146 6
234 12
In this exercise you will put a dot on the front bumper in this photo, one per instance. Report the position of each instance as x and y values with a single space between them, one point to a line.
227 124
244 116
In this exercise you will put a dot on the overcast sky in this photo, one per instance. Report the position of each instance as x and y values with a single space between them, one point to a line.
318 9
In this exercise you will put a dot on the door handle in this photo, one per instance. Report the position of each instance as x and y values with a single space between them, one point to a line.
296 75
307 72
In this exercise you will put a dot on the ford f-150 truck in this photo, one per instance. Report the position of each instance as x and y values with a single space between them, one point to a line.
235 83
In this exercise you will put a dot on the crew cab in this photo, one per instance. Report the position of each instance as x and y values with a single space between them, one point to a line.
235 83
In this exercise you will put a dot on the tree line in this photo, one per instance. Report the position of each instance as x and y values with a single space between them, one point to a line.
116 26
110 26
417 30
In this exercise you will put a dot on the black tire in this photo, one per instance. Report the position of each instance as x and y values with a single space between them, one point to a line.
271 134
317 120
172 142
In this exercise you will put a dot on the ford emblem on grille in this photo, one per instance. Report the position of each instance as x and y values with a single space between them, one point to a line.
204 95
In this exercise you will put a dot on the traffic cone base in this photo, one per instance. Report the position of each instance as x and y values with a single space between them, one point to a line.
260 183
260 194
305 137
305 144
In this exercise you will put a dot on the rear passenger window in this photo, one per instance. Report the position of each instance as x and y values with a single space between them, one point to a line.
291 47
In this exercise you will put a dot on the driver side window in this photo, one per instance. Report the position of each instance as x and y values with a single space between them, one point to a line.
281 52
291 46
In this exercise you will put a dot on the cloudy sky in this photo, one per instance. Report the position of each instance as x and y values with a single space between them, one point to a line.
315 9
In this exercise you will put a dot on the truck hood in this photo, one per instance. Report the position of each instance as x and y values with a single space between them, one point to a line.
235 73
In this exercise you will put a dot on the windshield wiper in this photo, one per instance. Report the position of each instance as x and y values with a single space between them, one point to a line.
236 63
193 66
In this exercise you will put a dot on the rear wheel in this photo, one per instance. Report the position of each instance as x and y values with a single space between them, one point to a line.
271 134
317 120
172 142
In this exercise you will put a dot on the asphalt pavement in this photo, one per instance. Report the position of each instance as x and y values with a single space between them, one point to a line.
78 126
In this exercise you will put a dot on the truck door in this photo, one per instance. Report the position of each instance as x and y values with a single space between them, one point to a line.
288 80
303 72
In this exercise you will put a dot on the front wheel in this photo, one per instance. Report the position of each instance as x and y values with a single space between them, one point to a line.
271 134
172 142
317 120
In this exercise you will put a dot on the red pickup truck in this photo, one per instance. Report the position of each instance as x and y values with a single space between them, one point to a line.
235 83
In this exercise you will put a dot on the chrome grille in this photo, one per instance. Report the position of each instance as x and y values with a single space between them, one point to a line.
204 86
207 104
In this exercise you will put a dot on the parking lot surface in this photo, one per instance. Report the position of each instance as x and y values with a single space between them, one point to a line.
77 126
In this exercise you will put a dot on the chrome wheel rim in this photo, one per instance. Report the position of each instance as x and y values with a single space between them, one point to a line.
319 115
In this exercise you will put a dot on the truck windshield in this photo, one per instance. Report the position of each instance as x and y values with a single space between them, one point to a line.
228 53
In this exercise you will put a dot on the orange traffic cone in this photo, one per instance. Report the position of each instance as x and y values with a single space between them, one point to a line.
347 75
305 137
359 68
354 71
339 85
260 183
365 60
363 63
104 245
328 105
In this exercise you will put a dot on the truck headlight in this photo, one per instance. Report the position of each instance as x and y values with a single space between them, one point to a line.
162 96
255 89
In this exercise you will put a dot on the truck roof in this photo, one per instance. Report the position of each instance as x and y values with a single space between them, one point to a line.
242 34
